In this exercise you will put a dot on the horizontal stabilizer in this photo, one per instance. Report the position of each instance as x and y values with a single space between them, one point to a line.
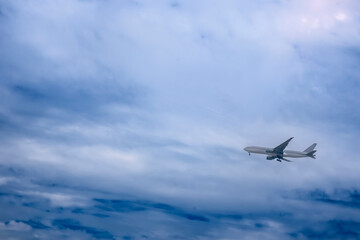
311 148
311 154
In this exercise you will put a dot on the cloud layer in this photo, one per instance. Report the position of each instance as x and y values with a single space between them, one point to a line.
115 111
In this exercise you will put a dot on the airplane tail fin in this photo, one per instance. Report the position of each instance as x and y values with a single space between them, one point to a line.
311 148
311 154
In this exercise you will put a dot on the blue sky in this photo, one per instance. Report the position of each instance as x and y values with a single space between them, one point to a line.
128 119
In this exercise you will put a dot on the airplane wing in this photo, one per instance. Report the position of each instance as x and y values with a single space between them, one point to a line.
286 159
281 147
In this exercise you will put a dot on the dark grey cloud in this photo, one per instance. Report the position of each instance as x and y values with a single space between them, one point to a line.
333 229
133 206
76 226
341 197
39 212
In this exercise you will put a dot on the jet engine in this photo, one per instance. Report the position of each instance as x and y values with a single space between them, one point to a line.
270 157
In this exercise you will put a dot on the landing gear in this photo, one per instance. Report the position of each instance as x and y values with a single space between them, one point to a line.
279 160
249 153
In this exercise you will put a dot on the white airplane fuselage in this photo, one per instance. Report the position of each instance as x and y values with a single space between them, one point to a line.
280 154
268 151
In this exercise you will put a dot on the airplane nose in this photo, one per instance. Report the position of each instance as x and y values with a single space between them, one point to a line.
246 149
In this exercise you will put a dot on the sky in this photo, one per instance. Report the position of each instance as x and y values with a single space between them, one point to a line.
127 119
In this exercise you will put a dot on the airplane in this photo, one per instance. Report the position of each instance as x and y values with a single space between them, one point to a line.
279 152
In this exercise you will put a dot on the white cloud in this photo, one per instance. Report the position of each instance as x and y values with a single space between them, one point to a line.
5 180
341 16
14 226
61 199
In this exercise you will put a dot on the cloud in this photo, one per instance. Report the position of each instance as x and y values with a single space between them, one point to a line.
130 206
152 103
333 229
110 216
341 197
74 225
57 199
14 226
